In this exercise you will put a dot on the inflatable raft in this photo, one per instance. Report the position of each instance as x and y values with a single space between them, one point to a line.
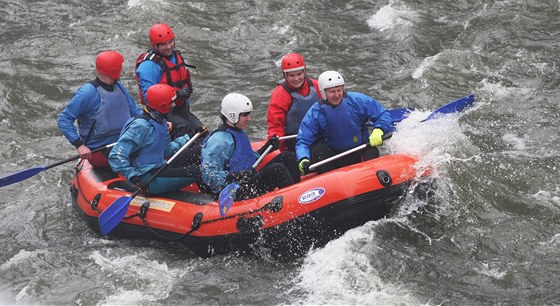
288 220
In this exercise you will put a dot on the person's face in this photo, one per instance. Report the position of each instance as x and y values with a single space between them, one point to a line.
295 78
244 119
335 94
166 47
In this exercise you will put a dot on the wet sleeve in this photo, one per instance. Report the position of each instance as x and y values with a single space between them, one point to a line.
215 155
149 73
81 108
309 130
173 146
130 141
280 102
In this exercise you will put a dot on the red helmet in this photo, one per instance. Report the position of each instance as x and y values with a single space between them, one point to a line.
109 63
292 62
160 97
160 33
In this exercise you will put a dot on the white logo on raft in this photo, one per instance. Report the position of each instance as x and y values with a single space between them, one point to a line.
311 195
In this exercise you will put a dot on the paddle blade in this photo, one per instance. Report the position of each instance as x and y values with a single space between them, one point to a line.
399 114
113 215
452 107
227 197
20 176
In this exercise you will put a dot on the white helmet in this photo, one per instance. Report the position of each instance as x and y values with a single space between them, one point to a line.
234 104
329 79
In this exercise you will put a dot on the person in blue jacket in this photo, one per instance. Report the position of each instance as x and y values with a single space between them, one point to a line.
227 155
101 108
339 122
145 142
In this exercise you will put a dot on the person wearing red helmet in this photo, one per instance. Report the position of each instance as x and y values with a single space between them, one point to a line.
145 142
163 64
101 108
291 99
227 155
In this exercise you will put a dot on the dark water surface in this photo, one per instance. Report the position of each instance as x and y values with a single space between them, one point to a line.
492 236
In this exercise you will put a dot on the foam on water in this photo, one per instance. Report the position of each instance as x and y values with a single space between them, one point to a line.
391 16
341 273
133 278
342 268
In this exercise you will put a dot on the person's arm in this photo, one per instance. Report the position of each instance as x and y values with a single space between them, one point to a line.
174 146
311 127
136 135
280 102
149 73
215 155
81 106
376 113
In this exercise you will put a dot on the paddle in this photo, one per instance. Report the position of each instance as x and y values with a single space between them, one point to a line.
339 155
115 212
451 107
25 174
227 195
399 114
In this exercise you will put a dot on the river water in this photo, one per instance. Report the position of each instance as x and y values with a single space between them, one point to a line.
491 235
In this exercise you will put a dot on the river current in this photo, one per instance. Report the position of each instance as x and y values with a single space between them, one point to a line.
491 236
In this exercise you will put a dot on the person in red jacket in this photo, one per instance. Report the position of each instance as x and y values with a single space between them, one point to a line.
291 99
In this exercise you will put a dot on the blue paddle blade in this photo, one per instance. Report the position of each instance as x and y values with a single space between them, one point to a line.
227 197
20 176
452 107
399 114
113 215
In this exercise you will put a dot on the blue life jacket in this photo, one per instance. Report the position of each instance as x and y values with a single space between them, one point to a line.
342 133
243 156
111 116
299 107
152 153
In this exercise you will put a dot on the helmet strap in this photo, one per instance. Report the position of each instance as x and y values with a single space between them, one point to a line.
156 115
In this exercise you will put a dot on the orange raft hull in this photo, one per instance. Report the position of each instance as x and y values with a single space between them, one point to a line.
288 220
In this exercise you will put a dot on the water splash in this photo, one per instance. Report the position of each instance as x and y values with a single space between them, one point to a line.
391 16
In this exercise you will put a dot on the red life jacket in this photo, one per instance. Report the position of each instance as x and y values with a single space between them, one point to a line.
175 75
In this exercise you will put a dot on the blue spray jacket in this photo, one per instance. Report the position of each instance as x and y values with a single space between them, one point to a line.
84 107
217 153
137 135
341 127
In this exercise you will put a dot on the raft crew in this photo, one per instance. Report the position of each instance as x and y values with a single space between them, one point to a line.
291 99
101 108
145 142
227 155
339 122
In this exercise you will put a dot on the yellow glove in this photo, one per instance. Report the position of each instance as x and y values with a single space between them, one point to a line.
376 137
304 166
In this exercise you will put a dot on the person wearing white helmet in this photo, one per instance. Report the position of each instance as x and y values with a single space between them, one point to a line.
291 99
227 155
339 122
